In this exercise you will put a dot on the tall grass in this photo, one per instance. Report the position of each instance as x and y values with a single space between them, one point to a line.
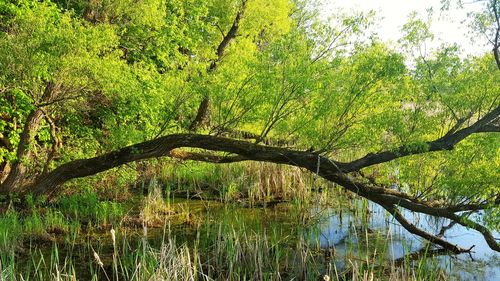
83 237
252 182
87 208
231 253
230 244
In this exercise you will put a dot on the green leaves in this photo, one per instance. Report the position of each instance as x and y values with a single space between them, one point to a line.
416 32
127 71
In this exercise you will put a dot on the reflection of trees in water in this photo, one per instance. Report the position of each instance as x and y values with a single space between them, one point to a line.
337 232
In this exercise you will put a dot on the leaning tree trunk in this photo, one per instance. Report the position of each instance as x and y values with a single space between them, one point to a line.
16 178
17 174
329 169
202 116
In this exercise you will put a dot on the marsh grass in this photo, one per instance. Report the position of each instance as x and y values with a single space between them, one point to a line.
253 183
226 246
85 237
88 208
155 208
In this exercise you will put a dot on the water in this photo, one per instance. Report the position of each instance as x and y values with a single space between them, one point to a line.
360 232
482 264
367 226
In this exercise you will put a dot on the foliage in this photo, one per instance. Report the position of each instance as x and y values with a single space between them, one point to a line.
123 72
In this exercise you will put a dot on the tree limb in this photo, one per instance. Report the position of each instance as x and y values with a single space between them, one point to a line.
204 157
446 142
204 107
320 165
417 231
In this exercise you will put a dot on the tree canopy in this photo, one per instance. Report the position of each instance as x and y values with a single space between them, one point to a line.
86 86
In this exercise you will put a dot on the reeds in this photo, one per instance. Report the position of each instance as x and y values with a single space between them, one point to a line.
86 238
229 248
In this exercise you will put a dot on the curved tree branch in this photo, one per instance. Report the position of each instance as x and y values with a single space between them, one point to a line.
446 142
417 231
205 157
322 166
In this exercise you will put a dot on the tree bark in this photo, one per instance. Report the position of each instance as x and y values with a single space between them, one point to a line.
201 115
203 112
322 166
17 174
15 180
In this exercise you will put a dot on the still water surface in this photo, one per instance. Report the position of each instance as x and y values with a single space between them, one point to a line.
344 230
482 264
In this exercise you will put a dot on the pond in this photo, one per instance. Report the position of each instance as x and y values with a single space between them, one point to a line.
353 234
482 264
210 240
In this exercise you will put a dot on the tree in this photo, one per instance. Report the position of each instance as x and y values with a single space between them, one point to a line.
97 84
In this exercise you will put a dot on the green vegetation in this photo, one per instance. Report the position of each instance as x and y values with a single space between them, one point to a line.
111 111
205 240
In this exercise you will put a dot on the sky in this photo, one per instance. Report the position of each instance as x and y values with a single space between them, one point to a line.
447 26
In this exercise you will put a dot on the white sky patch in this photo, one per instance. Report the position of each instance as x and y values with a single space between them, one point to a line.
447 26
